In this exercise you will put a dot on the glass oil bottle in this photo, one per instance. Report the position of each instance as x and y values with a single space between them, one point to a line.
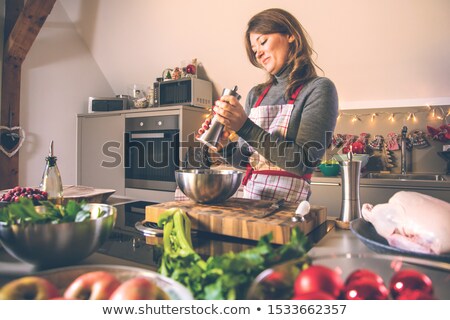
51 179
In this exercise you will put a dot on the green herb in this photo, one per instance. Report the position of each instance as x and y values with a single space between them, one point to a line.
24 212
222 277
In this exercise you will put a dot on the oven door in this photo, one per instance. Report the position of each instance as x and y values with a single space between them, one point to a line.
151 158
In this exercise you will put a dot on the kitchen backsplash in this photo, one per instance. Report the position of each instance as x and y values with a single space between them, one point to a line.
391 120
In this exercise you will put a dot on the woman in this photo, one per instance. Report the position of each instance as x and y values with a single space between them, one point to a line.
288 121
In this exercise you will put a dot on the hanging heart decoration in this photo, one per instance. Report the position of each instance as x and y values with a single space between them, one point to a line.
11 139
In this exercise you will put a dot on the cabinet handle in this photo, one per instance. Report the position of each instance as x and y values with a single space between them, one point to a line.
326 183
146 135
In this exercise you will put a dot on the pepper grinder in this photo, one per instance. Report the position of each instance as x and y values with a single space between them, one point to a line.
350 208
211 136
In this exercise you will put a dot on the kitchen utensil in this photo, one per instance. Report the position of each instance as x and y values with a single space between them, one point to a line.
208 185
272 209
54 245
302 210
350 207
211 136
234 218
84 193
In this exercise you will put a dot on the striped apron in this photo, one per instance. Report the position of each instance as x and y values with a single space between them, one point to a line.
263 179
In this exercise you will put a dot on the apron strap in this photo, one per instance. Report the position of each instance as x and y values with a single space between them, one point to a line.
261 96
290 101
295 95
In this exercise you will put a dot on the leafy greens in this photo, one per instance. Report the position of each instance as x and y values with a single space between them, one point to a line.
24 212
227 276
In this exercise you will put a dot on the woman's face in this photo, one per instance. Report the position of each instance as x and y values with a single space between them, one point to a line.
271 50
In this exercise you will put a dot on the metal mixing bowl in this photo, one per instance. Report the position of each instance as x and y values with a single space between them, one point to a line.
51 245
208 186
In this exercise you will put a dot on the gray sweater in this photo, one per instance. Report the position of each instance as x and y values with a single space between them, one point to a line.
309 131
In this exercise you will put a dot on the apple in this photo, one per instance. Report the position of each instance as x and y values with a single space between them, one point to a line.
94 285
138 288
29 288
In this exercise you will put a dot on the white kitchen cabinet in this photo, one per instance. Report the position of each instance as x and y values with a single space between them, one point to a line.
100 151
100 147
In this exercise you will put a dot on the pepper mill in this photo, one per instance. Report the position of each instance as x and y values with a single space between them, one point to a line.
351 205
211 136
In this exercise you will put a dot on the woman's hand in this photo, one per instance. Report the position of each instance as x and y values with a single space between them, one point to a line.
230 112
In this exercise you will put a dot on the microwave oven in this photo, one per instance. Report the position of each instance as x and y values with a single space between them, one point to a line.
186 91
100 104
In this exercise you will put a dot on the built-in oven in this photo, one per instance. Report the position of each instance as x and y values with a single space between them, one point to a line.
152 152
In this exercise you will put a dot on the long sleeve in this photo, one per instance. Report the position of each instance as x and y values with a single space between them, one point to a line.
309 131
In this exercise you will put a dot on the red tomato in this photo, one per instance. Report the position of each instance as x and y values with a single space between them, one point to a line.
365 289
409 279
313 296
318 278
363 274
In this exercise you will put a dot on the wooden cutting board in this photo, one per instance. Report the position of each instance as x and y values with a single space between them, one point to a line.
235 218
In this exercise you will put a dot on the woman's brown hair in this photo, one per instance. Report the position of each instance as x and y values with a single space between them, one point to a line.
300 51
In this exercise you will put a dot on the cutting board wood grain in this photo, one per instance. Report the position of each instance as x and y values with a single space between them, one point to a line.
234 217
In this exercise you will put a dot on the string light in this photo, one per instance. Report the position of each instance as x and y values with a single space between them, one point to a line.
373 116
440 115
433 113
391 117
436 113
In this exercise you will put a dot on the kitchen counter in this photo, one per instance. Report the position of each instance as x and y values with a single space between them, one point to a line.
334 242
338 246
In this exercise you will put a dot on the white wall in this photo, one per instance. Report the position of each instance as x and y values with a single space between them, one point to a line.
58 76
379 53
393 52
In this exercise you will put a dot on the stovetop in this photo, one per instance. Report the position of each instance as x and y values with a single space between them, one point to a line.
127 243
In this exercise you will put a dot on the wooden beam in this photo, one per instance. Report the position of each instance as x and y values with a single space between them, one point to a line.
27 27
22 25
